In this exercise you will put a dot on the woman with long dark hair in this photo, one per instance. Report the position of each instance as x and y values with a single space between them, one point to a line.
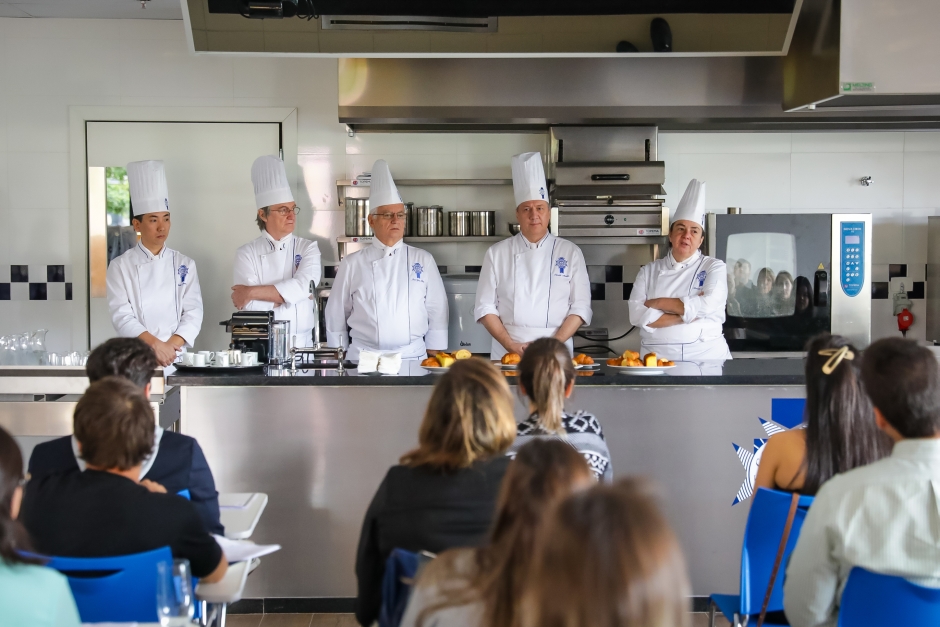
30 594
475 587
839 431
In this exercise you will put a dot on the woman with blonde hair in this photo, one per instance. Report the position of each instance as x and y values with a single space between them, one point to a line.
546 379
475 587
607 558
443 493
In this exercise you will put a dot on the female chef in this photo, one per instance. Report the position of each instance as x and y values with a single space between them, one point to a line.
153 291
534 284
679 302
389 295
274 271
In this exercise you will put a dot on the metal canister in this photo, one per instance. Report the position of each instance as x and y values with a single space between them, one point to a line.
357 217
459 222
483 223
430 221
409 213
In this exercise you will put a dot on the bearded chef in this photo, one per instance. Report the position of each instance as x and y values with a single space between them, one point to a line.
533 284
153 290
275 271
679 302
389 295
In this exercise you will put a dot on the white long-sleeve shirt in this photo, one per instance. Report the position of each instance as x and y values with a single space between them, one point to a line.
884 517
289 264
391 298
155 293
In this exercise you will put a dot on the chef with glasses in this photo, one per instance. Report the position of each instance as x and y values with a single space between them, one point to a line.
389 296
153 290
274 271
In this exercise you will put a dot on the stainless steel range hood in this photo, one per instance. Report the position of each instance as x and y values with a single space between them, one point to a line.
864 54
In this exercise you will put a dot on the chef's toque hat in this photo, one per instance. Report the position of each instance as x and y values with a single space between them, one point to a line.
147 181
528 178
382 188
692 205
270 181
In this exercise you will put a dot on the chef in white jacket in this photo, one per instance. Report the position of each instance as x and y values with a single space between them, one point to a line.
679 302
153 290
389 295
533 284
274 271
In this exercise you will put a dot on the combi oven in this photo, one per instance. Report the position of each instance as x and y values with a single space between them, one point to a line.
793 276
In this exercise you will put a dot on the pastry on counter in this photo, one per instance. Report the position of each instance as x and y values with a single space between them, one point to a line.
463 353
650 360
511 359
430 362
583 360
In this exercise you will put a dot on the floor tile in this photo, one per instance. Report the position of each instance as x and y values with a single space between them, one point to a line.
700 619
334 620
286 620
243 620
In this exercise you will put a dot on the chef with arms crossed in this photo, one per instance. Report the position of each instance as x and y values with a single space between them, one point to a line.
533 284
389 295
679 302
274 271
153 291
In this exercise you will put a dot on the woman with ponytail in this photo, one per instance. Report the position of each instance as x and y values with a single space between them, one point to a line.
546 379
30 594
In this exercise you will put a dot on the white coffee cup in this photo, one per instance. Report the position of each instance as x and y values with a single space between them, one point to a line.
222 359
236 356
249 359
186 358
199 360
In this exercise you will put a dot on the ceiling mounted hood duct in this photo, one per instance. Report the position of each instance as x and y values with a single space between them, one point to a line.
864 55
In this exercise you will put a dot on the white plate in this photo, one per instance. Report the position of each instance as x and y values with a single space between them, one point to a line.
507 366
437 368
642 370
587 367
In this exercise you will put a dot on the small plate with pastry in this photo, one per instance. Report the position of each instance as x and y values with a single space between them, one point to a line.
584 362
439 363
510 361
631 363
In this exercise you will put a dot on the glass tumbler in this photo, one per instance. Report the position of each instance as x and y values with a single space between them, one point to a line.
175 603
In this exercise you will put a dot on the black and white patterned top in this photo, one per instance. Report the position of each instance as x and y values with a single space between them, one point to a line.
582 431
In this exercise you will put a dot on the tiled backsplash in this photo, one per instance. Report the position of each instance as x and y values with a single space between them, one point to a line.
36 282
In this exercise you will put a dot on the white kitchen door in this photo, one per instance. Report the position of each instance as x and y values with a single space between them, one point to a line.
208 171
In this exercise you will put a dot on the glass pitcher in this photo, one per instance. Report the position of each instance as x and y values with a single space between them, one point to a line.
37 344
280 343
6 351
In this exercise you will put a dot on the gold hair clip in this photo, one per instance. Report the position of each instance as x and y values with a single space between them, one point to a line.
836 355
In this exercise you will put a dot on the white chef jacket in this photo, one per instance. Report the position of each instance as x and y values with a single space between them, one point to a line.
533 287
289 264
882 517
156 293
391 298
700 283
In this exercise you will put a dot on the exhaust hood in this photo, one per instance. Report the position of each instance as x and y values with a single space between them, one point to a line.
863 55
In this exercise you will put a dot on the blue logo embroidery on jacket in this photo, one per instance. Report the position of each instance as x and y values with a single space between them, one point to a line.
182 271
701 278
562 264
418 269
297 259
542 192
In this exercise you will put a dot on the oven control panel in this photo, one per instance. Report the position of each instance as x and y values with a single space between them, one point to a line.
852 271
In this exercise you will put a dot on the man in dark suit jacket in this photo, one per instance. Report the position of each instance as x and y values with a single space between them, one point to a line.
176 462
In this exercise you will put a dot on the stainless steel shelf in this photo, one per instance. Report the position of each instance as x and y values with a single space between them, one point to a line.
453 239
435 182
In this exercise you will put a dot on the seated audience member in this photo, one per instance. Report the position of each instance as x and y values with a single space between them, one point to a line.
783 304
840 432
105 510
443 493
882 517
176 461
606 557
477 587
761 303
546 379
31 595
732 306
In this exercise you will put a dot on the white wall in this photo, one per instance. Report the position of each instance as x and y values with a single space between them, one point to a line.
47 65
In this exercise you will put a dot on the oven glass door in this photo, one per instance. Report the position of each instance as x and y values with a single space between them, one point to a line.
778 269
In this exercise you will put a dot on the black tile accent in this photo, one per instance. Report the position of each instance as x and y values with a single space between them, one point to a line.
879 290
68 291
246 606
4 291
55 274
310 605
613 274
442 270
627 288
19 274
918 291
897 270
37 291
472 269
329 272
598 291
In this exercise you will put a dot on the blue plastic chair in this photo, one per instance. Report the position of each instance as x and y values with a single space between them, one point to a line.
114 589
765 523
874 600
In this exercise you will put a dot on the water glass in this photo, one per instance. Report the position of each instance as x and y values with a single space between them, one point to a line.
175 603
